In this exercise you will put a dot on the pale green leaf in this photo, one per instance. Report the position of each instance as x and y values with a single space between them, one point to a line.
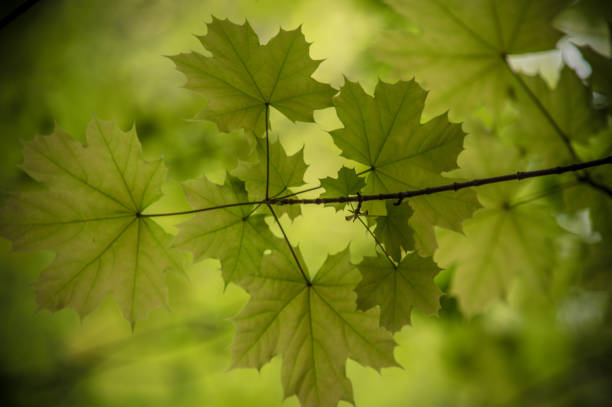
242 77
89 215
315 328
234 235
398 289
511 239
459 48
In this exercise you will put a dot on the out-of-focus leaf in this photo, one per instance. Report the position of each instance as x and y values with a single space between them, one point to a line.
460 49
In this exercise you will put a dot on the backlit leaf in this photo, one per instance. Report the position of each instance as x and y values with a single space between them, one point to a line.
315 328
242 77
89 214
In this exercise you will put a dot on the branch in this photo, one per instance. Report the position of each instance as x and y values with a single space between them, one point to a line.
585 178
267 152
17 12
211 208
449 187
402 195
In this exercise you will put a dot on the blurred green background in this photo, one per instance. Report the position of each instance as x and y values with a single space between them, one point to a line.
63 61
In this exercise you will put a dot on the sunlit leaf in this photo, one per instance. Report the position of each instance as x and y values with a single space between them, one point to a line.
234 235
459 48
315 328
242 77
89 214
384 132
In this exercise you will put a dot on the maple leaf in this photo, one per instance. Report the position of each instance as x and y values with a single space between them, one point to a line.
511 238
460 49
384 133
568 105
284 172
89 214
314 326
234 235
398 288
243 77
347 183
394 231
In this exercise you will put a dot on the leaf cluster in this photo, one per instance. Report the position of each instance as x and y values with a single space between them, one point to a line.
92 204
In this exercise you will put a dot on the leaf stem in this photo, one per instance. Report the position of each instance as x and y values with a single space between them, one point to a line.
378 242
297 262
267 151
449 187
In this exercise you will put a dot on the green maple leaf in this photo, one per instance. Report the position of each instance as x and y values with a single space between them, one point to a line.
398 289
393 230
460 49
512 238
568 105
234 235
243 77
347 183
314 327
285 172
89 214
384 132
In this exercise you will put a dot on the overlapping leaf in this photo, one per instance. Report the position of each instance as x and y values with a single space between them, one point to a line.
347 183
315 327
512 238
569 115
242 77
89 214
393 230
384 132
398 289
460 49
284 172
233 234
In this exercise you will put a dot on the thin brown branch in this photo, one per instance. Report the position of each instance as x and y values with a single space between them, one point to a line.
210 208
449 187
584 178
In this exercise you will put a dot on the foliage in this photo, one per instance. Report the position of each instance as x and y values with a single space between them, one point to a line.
91 208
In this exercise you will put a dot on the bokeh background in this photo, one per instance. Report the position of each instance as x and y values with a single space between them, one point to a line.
64 60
